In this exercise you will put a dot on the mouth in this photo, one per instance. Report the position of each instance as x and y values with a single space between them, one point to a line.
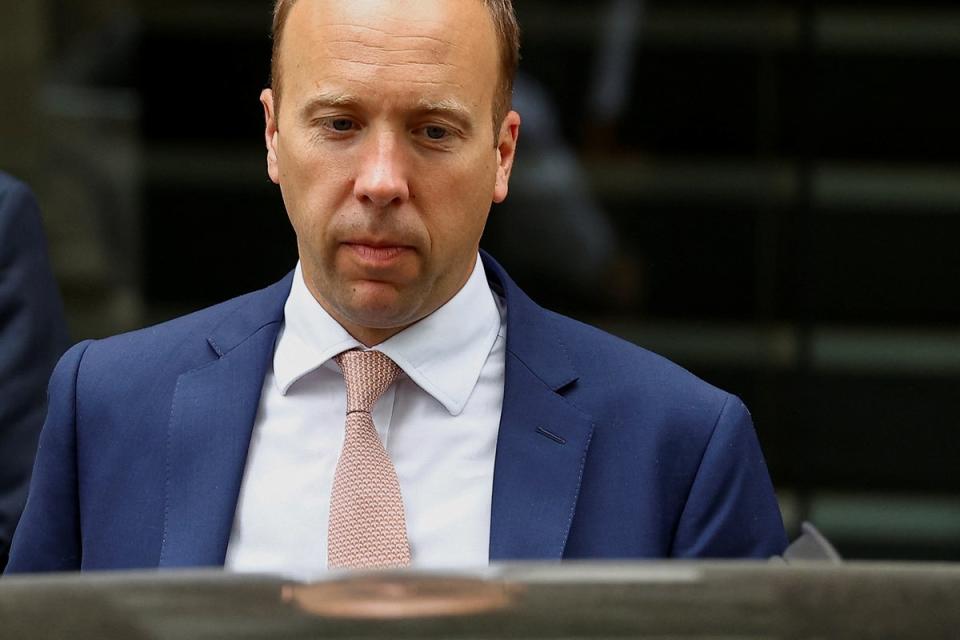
375 252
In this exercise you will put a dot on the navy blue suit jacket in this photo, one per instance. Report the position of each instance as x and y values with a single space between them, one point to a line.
605 450
32 336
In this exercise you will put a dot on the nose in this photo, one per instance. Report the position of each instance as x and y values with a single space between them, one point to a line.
382 177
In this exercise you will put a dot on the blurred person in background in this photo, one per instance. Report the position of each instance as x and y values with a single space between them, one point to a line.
551 210
33 335
479 426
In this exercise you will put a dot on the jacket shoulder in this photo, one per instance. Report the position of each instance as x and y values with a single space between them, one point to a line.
635 391
164 335
189 340
627 366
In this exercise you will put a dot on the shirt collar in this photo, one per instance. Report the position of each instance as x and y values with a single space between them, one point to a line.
443 353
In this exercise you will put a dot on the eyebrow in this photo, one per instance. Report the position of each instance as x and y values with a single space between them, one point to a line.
448 107
328 99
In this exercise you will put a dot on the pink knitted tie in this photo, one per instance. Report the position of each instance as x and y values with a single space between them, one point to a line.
367 527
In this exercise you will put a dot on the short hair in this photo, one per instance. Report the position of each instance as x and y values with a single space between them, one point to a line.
508 38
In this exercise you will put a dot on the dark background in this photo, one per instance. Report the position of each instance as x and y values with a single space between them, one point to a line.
774 202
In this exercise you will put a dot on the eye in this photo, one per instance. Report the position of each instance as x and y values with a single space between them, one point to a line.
435 133
341 125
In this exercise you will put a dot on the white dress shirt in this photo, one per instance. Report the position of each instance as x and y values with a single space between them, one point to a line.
438 421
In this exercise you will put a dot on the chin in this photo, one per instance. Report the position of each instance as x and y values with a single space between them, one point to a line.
385 310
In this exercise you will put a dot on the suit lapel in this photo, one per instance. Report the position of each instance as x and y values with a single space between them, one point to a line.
543 439
212 415
541 450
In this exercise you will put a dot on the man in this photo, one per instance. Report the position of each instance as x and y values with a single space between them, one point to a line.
511 432
32 336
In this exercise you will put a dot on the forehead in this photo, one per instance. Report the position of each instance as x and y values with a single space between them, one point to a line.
415 47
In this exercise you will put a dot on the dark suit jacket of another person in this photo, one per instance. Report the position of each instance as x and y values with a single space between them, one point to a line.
32 336
605 450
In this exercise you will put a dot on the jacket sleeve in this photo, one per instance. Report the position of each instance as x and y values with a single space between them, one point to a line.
48 536
731 510
32 336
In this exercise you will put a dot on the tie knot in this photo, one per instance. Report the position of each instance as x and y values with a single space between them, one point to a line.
367 375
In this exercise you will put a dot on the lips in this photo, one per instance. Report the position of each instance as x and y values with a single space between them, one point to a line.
376 252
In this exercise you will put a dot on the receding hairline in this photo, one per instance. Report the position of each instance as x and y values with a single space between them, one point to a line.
506 30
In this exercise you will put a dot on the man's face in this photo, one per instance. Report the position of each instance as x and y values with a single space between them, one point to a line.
384 152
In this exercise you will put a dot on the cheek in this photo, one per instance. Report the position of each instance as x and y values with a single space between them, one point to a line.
462 214
471 179
314 187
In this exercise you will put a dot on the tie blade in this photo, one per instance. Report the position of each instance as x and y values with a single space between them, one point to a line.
367 527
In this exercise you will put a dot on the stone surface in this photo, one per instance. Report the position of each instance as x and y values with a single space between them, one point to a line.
685 600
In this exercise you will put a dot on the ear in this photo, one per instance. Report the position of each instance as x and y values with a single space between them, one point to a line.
270 134
506 152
